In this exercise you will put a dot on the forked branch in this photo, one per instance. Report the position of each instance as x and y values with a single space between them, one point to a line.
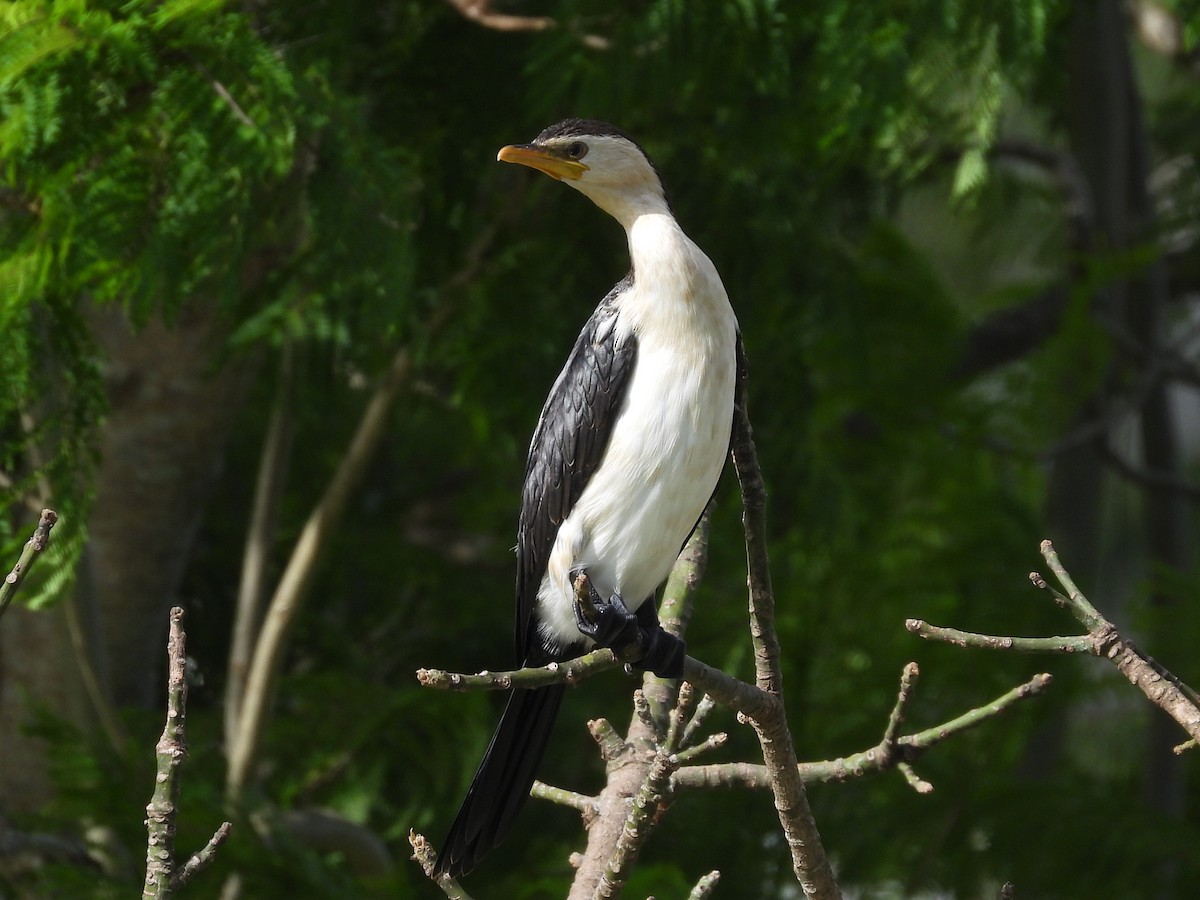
1102 639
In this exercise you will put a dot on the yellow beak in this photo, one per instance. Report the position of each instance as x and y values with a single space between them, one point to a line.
557 167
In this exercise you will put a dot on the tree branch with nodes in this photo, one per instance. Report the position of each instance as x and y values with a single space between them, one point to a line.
34 547
1102 639
653 761
163 876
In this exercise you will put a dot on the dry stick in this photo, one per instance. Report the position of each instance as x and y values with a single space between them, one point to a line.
1161 687
1069 644
33 549
908 681
585 805
905 749
423 854
703 709
570 672
705 886
809 862
163 878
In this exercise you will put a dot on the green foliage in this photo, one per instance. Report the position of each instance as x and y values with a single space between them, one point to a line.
321 176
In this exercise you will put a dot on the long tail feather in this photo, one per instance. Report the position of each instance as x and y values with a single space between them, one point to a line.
502 784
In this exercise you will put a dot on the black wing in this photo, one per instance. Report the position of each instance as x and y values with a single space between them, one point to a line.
567 446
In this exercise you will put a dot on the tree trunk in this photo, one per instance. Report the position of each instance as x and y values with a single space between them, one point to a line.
171 413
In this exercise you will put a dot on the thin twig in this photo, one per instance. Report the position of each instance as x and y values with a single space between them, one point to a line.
424 854
570 672
712 742
907 749
908 681
1161 686
1080 607
34 547
588 806
705 886
201 859
1072 644
480 12
918 784
703 709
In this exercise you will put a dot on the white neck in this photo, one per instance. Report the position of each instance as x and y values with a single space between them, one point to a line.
658 248
625 205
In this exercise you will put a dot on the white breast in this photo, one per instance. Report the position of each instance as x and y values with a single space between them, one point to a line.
670 440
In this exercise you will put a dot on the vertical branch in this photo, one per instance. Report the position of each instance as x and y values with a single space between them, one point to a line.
170 753
809 861
162 876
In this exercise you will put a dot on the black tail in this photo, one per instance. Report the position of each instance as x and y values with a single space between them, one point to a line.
501 785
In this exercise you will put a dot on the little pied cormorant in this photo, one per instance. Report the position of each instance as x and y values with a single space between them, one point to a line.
626 454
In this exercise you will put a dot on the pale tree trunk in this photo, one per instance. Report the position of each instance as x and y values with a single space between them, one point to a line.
162 443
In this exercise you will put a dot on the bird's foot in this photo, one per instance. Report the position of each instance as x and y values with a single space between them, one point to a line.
610 624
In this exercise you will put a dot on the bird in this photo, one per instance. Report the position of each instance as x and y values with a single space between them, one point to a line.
626 455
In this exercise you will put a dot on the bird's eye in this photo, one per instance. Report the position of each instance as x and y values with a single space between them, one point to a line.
577 150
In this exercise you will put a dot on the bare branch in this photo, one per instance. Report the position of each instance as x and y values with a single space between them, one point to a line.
163 877
880 758
809 862
424 854
908 681
1151 479
570 672
703 709
705 886
1073 644
586 805
1163 688
629 760
201 859
34 547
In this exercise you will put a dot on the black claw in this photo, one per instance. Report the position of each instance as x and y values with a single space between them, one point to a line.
610 624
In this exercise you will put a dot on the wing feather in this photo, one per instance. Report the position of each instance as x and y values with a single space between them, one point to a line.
567 446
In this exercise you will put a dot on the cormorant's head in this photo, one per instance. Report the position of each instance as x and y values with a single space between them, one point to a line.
597 159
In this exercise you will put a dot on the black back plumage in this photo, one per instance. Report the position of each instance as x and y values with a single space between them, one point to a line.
568 444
